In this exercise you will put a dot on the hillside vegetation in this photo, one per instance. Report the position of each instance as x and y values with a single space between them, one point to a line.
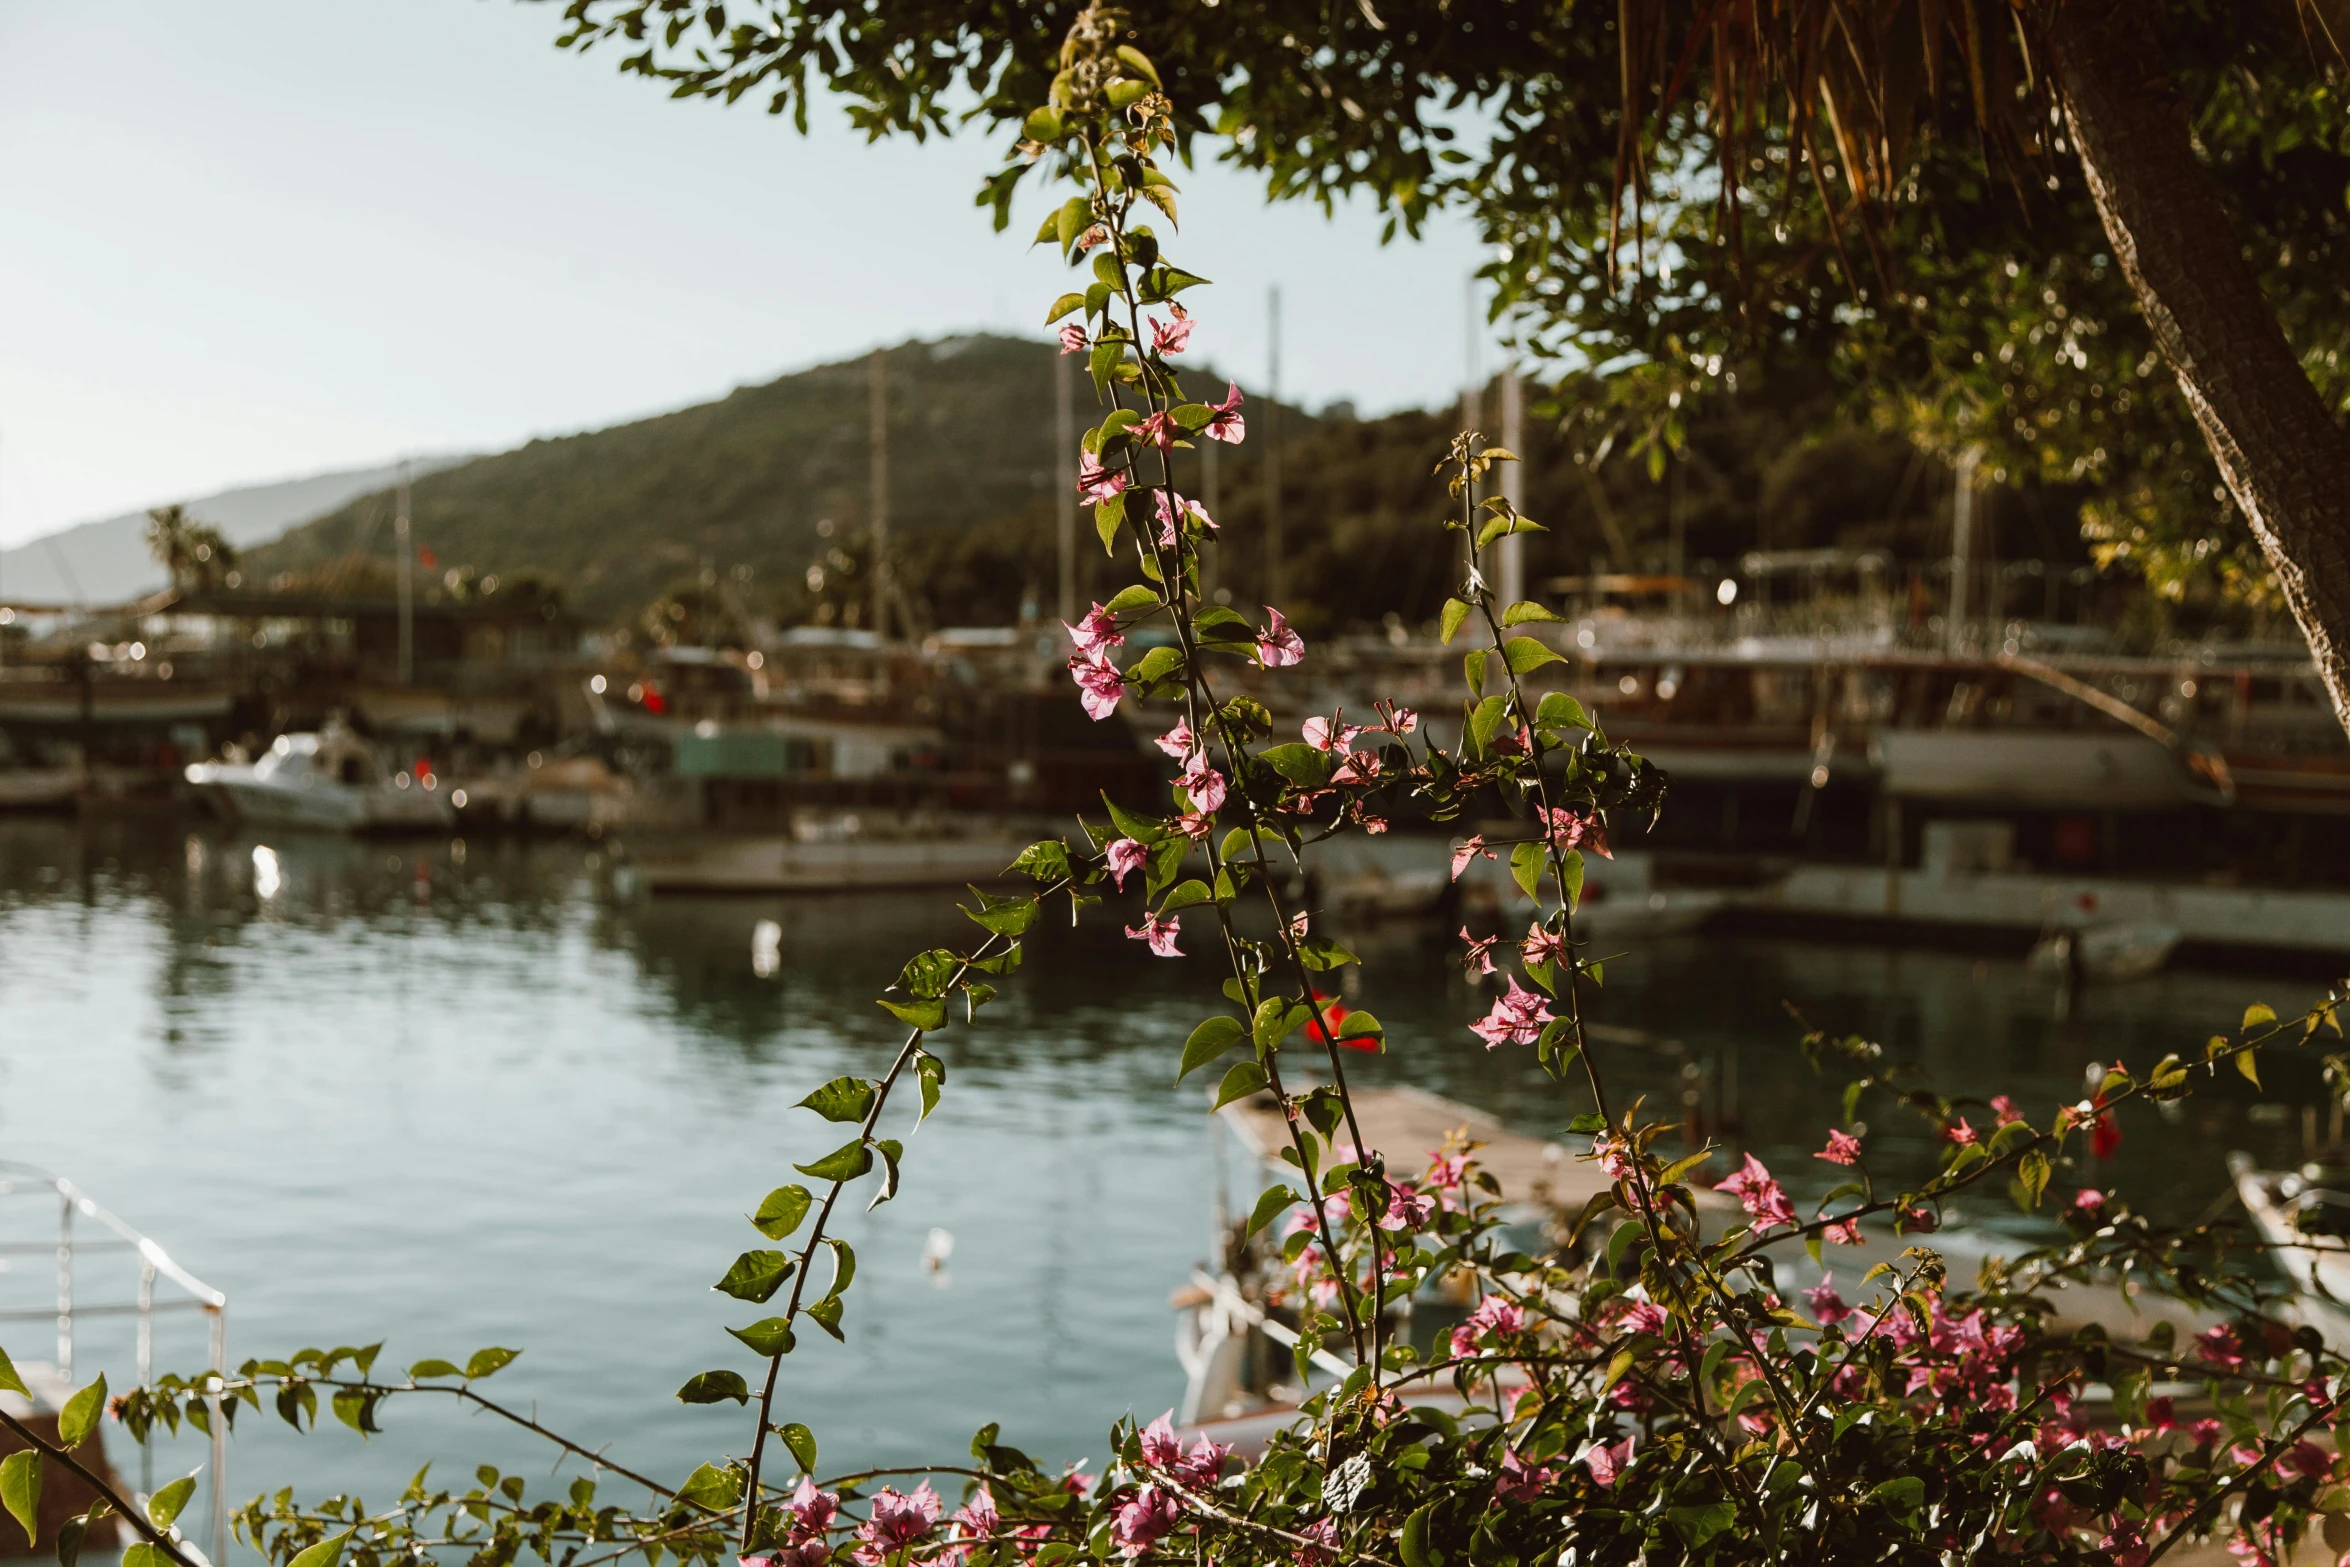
768 489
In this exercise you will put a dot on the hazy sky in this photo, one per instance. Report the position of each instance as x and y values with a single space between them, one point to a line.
248 239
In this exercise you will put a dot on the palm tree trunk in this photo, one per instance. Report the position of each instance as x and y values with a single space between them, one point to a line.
2285 460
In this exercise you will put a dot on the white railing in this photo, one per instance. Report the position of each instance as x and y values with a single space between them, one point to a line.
155 1265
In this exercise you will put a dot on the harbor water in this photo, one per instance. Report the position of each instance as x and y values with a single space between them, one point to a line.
451 1095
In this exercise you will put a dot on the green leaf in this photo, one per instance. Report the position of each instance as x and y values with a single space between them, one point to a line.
2031 1177
1454 613
1903 1494
1588 1123
1486 719
1525 610
1298 762
1184 896
2245 1065
1140 828
1208 1041
1044 862
1245 1078
1125 94
1129 599
891 1151
424 1370
1573 861
10 1382
928 1016
1158 672
141 1554
327 1551
711 1488
1526 655
1320 953
842 1099
489 1362
2256 1014
826 1315
844 1163
1361 1025
926 974
1274 1018
165 1505
931 1072
1558 711
1272 1202
1698 1525
1066 303
20 1490
800 1442
756 1275
767 1337
1412 1545
782 1211
712 1387
1473 670
1006 916
1527 863
1107 515
80 1417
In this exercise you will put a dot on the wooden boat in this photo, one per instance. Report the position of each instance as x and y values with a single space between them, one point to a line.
2305 1215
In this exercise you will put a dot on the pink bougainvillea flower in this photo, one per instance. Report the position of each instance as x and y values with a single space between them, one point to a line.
1099 685
2004 1108
1542 946
1125 856
1464 852
2089 1199
1160 932
1516 1019
1606 1463
1178 742
1161 1448
1961 1135
1400 720
1203 1466
897 1521
1359 767
2307 1458
814 1510
1203 783
1092 237
1096 483
1227 425
1406 1209
1321 1547
1073 339
1143 1519
1098 630
1615 1156
1329 734
1176 510
1447 1172
1568 830
2219 1346
1195 824
1843 1148
1758 1194
1514 1482
1160 430
1278 647
1825 1303
1494 1315
1169 337
1844 1232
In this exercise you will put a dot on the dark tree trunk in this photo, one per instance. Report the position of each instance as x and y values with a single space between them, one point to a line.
2286 461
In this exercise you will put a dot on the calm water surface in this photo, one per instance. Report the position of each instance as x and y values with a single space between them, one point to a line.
449 1099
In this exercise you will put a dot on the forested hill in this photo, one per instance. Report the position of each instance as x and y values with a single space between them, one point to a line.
769 488
620 516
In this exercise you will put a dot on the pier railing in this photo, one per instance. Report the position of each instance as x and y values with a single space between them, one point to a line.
77 1215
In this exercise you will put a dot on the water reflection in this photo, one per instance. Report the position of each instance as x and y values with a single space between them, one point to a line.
469 1094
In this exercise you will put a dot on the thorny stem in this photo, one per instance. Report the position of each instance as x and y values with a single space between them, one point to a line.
881 1091
1173 580
97 1482
1556 853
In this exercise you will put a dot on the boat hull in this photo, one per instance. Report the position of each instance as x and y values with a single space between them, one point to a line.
780 864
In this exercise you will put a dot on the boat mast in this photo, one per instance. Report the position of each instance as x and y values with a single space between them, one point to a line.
407 551
1064 472
1510 558
880 421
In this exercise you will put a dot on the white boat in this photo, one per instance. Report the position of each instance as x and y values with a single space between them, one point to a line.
1605 914
2107 953
2304 1215
329 780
